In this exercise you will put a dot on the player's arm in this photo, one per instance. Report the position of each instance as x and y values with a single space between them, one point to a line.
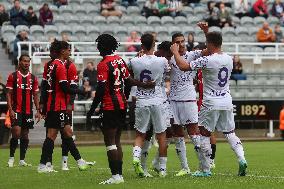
36 100
73 85
100 91
181 63
9 86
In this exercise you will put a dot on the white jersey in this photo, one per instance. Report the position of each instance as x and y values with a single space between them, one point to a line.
146 68
216 72
182 88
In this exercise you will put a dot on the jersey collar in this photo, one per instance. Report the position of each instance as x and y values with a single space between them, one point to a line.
63 63
22 74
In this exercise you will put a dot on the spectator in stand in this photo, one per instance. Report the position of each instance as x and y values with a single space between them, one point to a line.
259 8
237 72
190 42
278 34
4 16
192 3
212 16
133 38
22 36
88 90
224 16
45 15
90 73
155 36
278 10
31 17
108 8
127 3
265 34
241 8
175 8
65 37
17 14
59 3
150 8
163 8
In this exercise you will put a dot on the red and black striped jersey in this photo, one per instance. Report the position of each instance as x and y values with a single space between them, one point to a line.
23 87
55 73
113 71
72 77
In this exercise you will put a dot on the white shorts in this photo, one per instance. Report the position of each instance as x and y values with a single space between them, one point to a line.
221 120
184 112
168 113
144 116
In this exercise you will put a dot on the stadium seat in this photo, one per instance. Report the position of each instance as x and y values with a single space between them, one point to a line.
113 20
133 10
200 10
229 49
41 38
50 30
135 28
54 8
153 20
244 48
36 30
256 49
253 31
193 20
188 10
241 31
122 9
272 20
86 20
74 38
59 19
215 29
121 31
236 20
236 39
162 30
65 29
173 30
200 39
127 21
246 21
228 31
21 28
187 29
248 39
277 94
198 31
79 30
73 20
75 3
92 9
99 20
7 29
270 50
258 21
139 20
167 21
79 10
266 94
107 29
274 81
86 38
180 21
253 94
147 29
65 9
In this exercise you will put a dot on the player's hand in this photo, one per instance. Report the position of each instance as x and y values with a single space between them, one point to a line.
149 84
12 115
203 26
37 116
174 48
205 52
97 110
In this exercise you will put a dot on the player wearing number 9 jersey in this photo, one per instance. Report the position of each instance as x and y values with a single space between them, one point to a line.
217 108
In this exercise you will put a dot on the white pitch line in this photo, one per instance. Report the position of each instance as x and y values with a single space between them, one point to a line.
222 174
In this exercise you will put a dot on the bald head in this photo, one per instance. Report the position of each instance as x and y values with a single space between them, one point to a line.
265 26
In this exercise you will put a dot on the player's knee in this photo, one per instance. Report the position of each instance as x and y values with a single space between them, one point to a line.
111 147
193 129
204 132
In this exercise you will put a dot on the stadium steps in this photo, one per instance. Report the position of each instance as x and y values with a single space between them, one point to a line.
5 65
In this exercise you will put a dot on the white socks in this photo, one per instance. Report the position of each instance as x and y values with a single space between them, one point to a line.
205 153
236 145
64 158
144 153
136 153
163 163
195 140
181 152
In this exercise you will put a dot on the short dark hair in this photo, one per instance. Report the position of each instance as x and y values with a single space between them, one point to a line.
214 38
147 41
24 55
106 44
56 48
92 63
30 8
165 45
177 35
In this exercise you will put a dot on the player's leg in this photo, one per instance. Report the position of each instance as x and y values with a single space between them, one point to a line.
145 151
142 121
24 143
111 129
16 133
227 125
213 148
179 134
64 152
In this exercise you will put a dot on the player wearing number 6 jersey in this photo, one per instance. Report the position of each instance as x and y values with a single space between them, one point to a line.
217 108
149 104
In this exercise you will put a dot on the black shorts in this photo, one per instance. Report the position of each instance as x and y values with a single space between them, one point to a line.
114 118
23 120
57 120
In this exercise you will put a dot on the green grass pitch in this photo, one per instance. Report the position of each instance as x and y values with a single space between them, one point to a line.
265 160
